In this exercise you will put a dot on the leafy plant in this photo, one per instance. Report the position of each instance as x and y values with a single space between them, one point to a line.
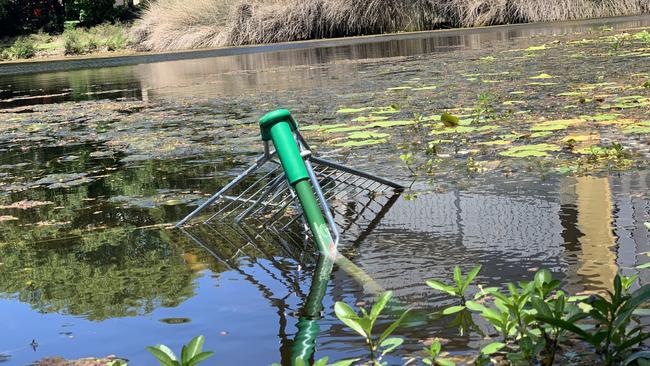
559 309
192 354
484 109
364 323
433 356
461 285
23 47
613 338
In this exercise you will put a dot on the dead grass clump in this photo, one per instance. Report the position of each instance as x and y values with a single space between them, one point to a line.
490 12
183 24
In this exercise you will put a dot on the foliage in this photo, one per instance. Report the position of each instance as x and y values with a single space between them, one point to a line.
89 276
433 356
461 284
191 355
484 109
110 37
534 318
90 12
22 16
613 337
23 47
363 324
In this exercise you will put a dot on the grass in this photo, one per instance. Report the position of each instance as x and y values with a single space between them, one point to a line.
104 37
73 41
185 24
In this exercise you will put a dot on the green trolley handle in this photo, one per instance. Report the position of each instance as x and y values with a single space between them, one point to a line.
279 126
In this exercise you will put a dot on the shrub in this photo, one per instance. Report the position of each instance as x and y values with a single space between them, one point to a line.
23 47
110 37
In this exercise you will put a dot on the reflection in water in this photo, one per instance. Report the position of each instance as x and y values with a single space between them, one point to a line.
112 273
230 71
101 170
597 258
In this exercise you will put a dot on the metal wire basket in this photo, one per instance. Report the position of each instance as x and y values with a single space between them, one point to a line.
262 197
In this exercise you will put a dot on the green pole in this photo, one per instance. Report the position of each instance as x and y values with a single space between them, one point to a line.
308 328
278 126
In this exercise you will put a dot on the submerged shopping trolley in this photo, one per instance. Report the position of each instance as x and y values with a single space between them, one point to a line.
288 188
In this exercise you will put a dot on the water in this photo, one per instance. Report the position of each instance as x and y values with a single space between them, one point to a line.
108 158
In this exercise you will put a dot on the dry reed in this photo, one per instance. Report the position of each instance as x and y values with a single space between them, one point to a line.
184 24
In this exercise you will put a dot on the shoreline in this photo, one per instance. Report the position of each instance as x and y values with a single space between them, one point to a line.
124 58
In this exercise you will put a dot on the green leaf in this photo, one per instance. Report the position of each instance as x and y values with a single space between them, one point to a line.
542 277
347 362
637 355
643 266
300 362
198 358
163 357
390 344
637 298
452 310
458 278
391 328
321 362
632 341
647 225
184 358
470 277
434 349
445 362
437 285
641 312
378 307
492 348
541 307
195 347
349 317
566 326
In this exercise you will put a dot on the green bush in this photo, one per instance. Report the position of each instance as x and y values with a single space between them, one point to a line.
110 37
23 47
73 42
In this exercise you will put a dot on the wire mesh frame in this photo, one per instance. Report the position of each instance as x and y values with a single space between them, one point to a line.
266 202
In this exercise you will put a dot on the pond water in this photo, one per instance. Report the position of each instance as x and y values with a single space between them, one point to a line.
548 168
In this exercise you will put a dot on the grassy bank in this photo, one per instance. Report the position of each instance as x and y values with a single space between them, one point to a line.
73 41
184 24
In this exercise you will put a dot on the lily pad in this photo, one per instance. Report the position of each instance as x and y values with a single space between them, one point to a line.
542 76
369 119
536 150
556 125
321 127
353 110
367 135
356 143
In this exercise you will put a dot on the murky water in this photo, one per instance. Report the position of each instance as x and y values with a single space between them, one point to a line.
95 164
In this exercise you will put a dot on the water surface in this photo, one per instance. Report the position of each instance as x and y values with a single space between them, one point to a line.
96 164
